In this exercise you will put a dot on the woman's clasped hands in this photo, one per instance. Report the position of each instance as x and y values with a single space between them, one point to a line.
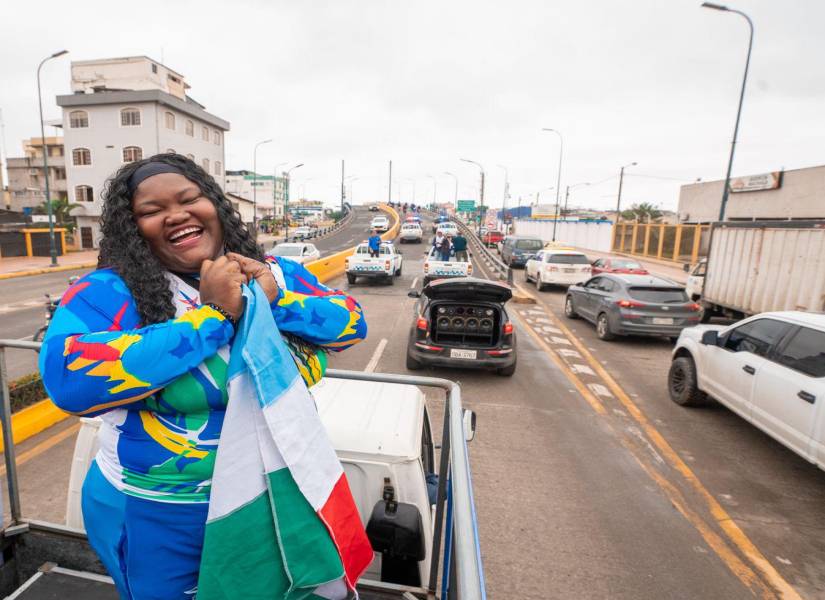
221 281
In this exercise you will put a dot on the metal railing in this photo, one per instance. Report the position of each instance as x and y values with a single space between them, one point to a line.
462 570
493 262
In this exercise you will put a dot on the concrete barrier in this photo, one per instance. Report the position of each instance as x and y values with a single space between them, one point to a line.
332 266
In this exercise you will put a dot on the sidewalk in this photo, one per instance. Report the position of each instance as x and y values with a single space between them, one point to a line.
661 268
20 266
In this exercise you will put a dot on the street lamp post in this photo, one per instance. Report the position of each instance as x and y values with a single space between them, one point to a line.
275 191
619 198
435 188
506 194
49 209
286 200
558 177
481 194
726 191
255 186
566 196
455 195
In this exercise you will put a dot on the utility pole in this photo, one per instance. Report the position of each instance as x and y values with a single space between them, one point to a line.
343 191
49 209
619 199
389 186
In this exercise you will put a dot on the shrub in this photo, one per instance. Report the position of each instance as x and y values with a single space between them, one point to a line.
26 391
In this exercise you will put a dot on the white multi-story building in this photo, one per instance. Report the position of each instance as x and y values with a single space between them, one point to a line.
268 191
123 110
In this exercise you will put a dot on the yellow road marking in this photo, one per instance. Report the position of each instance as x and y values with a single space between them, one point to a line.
43 446
722 517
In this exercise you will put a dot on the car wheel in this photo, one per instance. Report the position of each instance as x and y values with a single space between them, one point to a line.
390 279
681 383
603 328
398 272
350 278
539 284
527 275
412 364
507 371
569 311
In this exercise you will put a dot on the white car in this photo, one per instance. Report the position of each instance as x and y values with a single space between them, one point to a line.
435 268
381 223
411 232
386 266
447 228
557 267
301 252
302 232
769 369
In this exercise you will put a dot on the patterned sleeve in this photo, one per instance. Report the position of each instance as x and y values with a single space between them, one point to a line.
308 309
95 357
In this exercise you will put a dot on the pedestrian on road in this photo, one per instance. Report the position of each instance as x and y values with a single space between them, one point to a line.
460 247
374 243
145 343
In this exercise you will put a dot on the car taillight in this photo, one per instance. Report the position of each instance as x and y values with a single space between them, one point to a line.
508 328
426 268
694 307
422 324
469 269
551 268
386 264
630 304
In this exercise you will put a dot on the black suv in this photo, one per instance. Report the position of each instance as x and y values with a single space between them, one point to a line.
462 323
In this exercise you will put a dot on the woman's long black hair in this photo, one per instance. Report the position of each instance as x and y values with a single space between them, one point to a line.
124 249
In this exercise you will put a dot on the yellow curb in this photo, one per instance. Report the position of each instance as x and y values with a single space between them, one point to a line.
47 270
33 419
522 296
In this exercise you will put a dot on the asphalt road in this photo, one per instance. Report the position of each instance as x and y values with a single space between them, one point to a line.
22 301
589 482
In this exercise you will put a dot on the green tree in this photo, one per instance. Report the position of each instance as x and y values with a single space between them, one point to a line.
644 212
60 209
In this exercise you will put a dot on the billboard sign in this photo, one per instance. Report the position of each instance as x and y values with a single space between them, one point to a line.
466 206
756 183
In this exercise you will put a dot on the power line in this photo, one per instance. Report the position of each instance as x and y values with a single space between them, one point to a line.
656 177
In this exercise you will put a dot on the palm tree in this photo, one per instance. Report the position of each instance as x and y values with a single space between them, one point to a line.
60 209
643 212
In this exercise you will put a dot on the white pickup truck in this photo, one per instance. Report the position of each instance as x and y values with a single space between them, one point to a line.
436 268
387 265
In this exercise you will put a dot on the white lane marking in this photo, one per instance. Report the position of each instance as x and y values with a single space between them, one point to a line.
560 340
599 390
415 281
569 353
582 369
376 356
548 329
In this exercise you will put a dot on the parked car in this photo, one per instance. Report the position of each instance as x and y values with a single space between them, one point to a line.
381 223
516 250
618 265
632 305
769 369
462 323
386 266
557 267
410 232
301 252
491 238
436 268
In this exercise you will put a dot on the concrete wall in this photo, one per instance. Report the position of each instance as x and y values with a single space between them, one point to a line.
801 196
586 235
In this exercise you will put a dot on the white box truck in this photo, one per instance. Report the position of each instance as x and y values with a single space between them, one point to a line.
760 266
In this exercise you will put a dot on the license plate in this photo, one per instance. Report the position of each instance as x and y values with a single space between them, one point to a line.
462 353
662 321
570 270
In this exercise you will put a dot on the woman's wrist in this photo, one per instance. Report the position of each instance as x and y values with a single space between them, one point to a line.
223 312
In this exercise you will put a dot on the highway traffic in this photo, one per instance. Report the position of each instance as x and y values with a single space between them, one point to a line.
589 481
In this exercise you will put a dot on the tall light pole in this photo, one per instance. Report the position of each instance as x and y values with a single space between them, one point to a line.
275 188
412 181
255 186
49 210
558 177
506 194
343 191
455 195
286 200
725 192
481 194
351 180
435 189
619 198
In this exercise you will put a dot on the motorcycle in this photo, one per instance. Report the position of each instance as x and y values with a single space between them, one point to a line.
51 305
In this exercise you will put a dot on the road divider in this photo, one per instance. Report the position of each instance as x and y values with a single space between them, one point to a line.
33 419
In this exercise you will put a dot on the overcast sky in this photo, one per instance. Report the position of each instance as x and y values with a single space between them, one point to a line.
428 83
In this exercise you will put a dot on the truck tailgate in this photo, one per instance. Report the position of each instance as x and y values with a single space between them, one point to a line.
759 267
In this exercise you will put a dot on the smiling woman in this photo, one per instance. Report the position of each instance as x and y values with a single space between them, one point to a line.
145 342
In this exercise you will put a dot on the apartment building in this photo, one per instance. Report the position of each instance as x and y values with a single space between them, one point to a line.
27 185
122 110
270 194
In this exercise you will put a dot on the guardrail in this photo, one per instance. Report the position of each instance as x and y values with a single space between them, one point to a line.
492 261
320 232
462 572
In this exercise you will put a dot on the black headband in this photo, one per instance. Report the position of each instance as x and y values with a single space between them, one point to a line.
148 170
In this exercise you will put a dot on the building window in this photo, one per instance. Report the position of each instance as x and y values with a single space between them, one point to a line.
78 118
190 128
205 134
170 120
60 173
132 154
205 164
191 157
216 135
217 167
83 193
81 157
130 117
154 68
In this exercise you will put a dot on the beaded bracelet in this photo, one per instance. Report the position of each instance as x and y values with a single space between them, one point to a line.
222 310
